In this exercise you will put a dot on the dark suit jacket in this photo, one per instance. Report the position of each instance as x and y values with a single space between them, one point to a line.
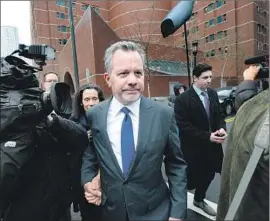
194 132
143 194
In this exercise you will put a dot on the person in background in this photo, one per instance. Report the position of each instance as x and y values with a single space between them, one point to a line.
248 88
84 99
49 79
178 89
202 131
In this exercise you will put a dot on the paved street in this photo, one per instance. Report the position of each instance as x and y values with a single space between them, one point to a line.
211 195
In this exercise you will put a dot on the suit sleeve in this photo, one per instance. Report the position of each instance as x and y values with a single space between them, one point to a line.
175 167
181 109
89 167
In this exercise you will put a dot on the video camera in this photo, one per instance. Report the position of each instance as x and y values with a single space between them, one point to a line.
263 61
16 74
23 107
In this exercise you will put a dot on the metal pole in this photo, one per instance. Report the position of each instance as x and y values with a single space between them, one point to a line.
72 35
195 61
188 68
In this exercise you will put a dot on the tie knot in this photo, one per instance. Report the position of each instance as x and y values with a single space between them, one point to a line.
204 93
125 110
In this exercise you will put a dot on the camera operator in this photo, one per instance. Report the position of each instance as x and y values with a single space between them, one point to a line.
45 193
248 88
39 145
250 130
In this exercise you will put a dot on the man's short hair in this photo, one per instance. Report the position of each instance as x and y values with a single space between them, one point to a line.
200 68
125 46
51 72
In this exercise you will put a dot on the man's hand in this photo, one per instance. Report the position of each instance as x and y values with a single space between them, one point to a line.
223 133
92 191
251 72
216 138
173 219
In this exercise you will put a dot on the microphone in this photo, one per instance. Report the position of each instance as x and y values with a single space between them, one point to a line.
257 59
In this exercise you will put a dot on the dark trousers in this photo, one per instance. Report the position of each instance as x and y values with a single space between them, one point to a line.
204 179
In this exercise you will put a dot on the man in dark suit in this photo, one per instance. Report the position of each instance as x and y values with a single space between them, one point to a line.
131 135
202 131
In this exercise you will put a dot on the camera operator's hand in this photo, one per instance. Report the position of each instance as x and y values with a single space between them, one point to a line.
251 72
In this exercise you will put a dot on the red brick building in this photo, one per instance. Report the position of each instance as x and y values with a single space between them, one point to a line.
91 43
227 31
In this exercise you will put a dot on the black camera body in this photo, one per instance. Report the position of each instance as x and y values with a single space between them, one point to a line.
17 75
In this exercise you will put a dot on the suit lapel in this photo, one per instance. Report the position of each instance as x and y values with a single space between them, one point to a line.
145 123
102 119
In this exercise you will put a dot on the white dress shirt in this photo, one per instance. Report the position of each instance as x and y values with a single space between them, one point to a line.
114 124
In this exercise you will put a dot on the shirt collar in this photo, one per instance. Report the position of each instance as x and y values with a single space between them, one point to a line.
116 107
198 90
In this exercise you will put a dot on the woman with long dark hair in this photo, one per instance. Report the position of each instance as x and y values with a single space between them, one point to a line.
86 97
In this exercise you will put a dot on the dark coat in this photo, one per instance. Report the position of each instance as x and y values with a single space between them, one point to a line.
194 133
45 191
88 211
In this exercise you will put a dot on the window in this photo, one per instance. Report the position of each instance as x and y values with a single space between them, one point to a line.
220 50
259 28
84 7
211 7
219 3
258 9
213 52
263 29
225 33
96 9
265 47
207 39
205 10
62 28
219 34
224 17
212 37
206 24
62 41
219 19
264 14
226 49
61 2
207 54
60 15
211 22
259 45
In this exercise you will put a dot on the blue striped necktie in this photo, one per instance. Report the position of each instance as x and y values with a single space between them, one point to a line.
127 141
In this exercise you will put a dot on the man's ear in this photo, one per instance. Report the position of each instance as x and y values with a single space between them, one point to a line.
107 79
